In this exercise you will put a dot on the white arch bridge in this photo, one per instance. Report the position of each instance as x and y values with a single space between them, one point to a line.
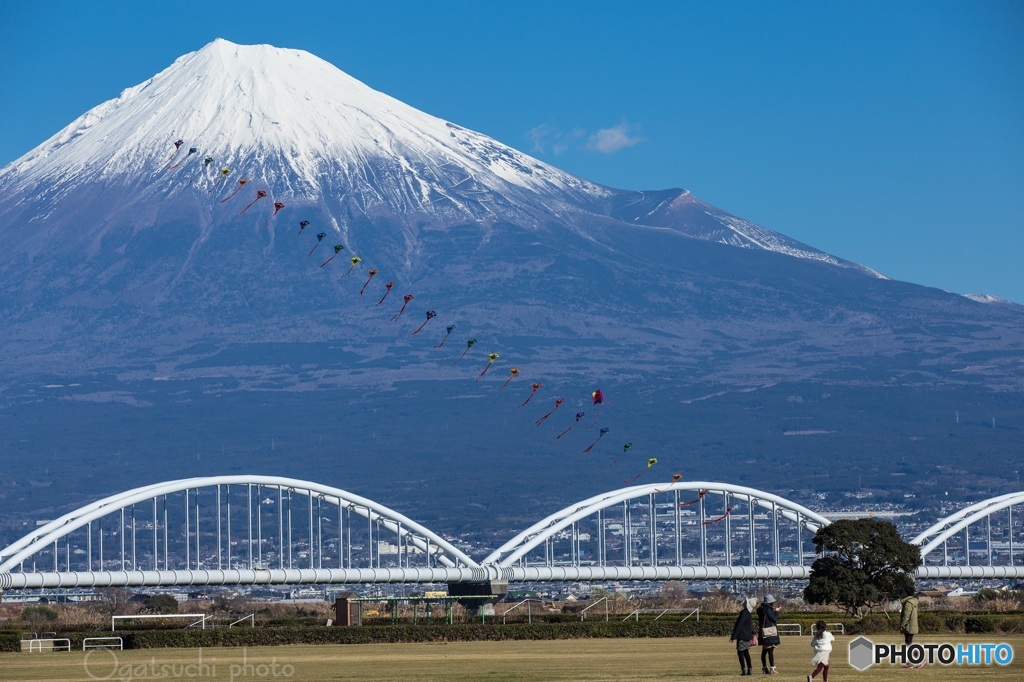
253 530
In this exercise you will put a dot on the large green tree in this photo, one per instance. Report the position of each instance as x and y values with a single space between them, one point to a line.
864 563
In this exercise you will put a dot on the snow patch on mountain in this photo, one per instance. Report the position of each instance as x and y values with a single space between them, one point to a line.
988 298
308 133
297 119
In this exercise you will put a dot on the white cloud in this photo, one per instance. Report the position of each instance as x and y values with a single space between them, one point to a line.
547 137
611 140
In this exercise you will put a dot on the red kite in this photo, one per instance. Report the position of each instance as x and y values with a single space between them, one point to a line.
387 290
372 274
405 302
558 403
533 391
259 195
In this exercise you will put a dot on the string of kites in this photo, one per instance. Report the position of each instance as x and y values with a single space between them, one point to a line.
597 396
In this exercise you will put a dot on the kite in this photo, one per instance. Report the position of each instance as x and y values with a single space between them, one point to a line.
469 344
224 172
277 207
387 290
405 302
259 195
372 274
597 396
355 260
512 374
177 147
302 226
240 184
491 357
700 496
579 416
558 403
599 437
651 462
718 518
533 390
447 333
337 250
206 164
319 238
675 479
625 448
430 315
191 151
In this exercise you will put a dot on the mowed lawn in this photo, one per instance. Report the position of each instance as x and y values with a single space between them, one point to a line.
694 658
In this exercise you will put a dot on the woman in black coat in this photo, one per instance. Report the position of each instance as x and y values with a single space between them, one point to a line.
742 632
768 617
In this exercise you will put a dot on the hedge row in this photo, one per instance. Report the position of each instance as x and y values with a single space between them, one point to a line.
10 641
943 622
717 625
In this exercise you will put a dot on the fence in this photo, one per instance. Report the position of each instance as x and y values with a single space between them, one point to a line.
583 613
635 615
102 643
48 644
529 609
201 616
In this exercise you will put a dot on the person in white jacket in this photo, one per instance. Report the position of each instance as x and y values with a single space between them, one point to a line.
821 642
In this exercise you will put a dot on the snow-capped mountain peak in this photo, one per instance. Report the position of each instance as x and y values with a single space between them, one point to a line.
291 117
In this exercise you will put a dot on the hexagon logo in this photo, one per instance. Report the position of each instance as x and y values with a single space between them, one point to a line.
862 653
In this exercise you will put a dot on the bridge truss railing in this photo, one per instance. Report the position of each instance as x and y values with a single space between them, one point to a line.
259 530
699 524
984 535
227 523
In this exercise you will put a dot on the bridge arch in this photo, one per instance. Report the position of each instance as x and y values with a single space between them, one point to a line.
950 528
188 519
694 530
667 498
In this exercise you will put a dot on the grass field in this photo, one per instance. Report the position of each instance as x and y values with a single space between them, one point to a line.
581 659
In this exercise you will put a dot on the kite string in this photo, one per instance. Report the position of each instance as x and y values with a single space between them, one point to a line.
719 518
700 495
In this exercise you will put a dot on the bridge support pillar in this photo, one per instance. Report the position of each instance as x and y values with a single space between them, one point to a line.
476 594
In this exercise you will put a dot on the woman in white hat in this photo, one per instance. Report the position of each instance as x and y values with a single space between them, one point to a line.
743 633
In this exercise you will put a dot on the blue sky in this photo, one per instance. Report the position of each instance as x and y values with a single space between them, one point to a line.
888 133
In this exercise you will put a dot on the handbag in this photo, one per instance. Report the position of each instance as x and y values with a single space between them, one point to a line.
769 631
753 640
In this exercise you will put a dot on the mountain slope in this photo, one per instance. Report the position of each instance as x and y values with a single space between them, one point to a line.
113 240
136 293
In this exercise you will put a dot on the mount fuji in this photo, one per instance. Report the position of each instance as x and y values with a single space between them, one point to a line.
152 327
